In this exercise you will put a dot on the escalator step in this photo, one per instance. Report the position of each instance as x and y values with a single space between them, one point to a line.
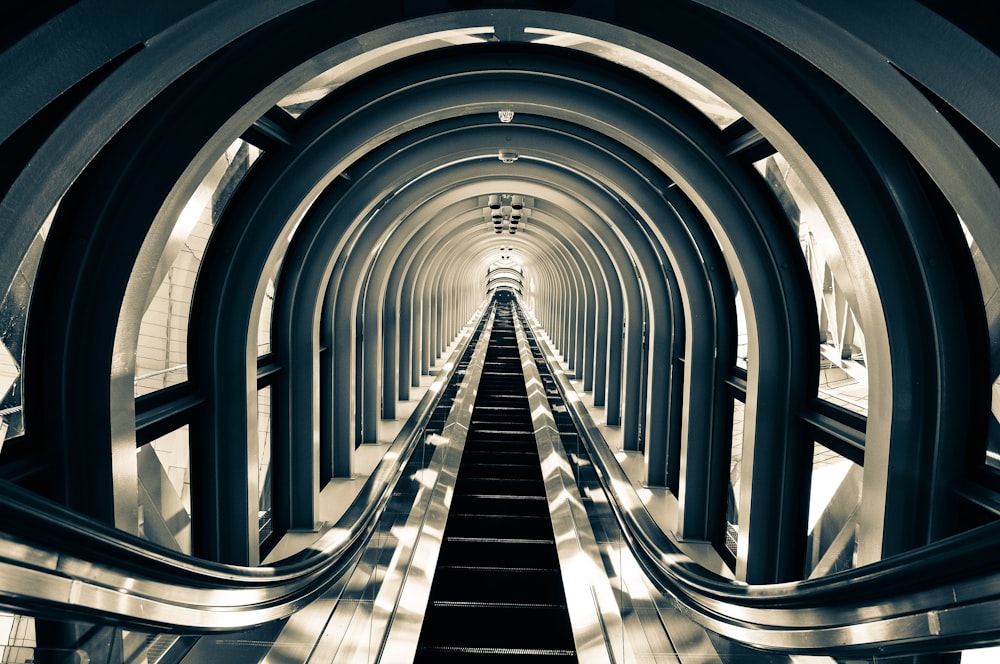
488 439
539 587
500 627
487 553
501 455
500 527
497 593
499 487
503 435
446 655
480 504
501 470
508 422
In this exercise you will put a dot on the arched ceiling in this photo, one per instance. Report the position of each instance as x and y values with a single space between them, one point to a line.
630 74
632 127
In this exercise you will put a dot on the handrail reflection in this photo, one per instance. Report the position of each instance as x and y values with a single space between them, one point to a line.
57 563
941 597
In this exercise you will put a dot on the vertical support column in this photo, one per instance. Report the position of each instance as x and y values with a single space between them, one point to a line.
326 395
343 392
632 385
390 360
434 324
777 449
709 343
372 358
427 335
589 334
405 322
569 324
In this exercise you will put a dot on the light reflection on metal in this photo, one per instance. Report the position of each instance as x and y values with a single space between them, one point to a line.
822 618
819 616
142 588
372 56
426 477
694 91
403 627
590 599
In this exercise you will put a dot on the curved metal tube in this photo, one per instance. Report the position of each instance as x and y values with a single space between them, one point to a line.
57 563
941 597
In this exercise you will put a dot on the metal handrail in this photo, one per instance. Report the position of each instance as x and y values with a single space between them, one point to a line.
944 596
57 563
940 597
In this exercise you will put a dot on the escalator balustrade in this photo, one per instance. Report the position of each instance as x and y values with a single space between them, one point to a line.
497 592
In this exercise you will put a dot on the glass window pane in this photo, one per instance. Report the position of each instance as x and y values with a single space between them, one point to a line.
264 324
735 462
323 84
993 447
839 387
742 338
990 291
13 316
981 656
17 638
165 491
843 363
833 504
264 473
161 355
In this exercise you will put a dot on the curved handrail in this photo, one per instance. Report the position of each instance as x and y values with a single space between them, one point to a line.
940 597
57 563
944 596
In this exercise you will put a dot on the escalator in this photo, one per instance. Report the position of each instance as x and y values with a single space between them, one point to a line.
497 592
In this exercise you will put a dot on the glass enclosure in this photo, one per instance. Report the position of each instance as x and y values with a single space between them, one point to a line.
161 355
264 474
165 491
833 505
843 364
13 317
735 469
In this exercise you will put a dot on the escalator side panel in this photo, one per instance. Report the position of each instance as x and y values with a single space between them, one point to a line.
497 593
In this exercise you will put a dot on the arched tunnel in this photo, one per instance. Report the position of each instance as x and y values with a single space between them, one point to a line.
753 245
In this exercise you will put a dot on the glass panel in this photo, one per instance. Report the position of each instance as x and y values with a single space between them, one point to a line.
161 355
735 467
699 96
13 316
981 656
17 638
165 491
264 461
843 364
742 339
18 643
839 387
993 447
991 290
833 504
264 324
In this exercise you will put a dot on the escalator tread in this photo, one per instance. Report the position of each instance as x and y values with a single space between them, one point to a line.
497 592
